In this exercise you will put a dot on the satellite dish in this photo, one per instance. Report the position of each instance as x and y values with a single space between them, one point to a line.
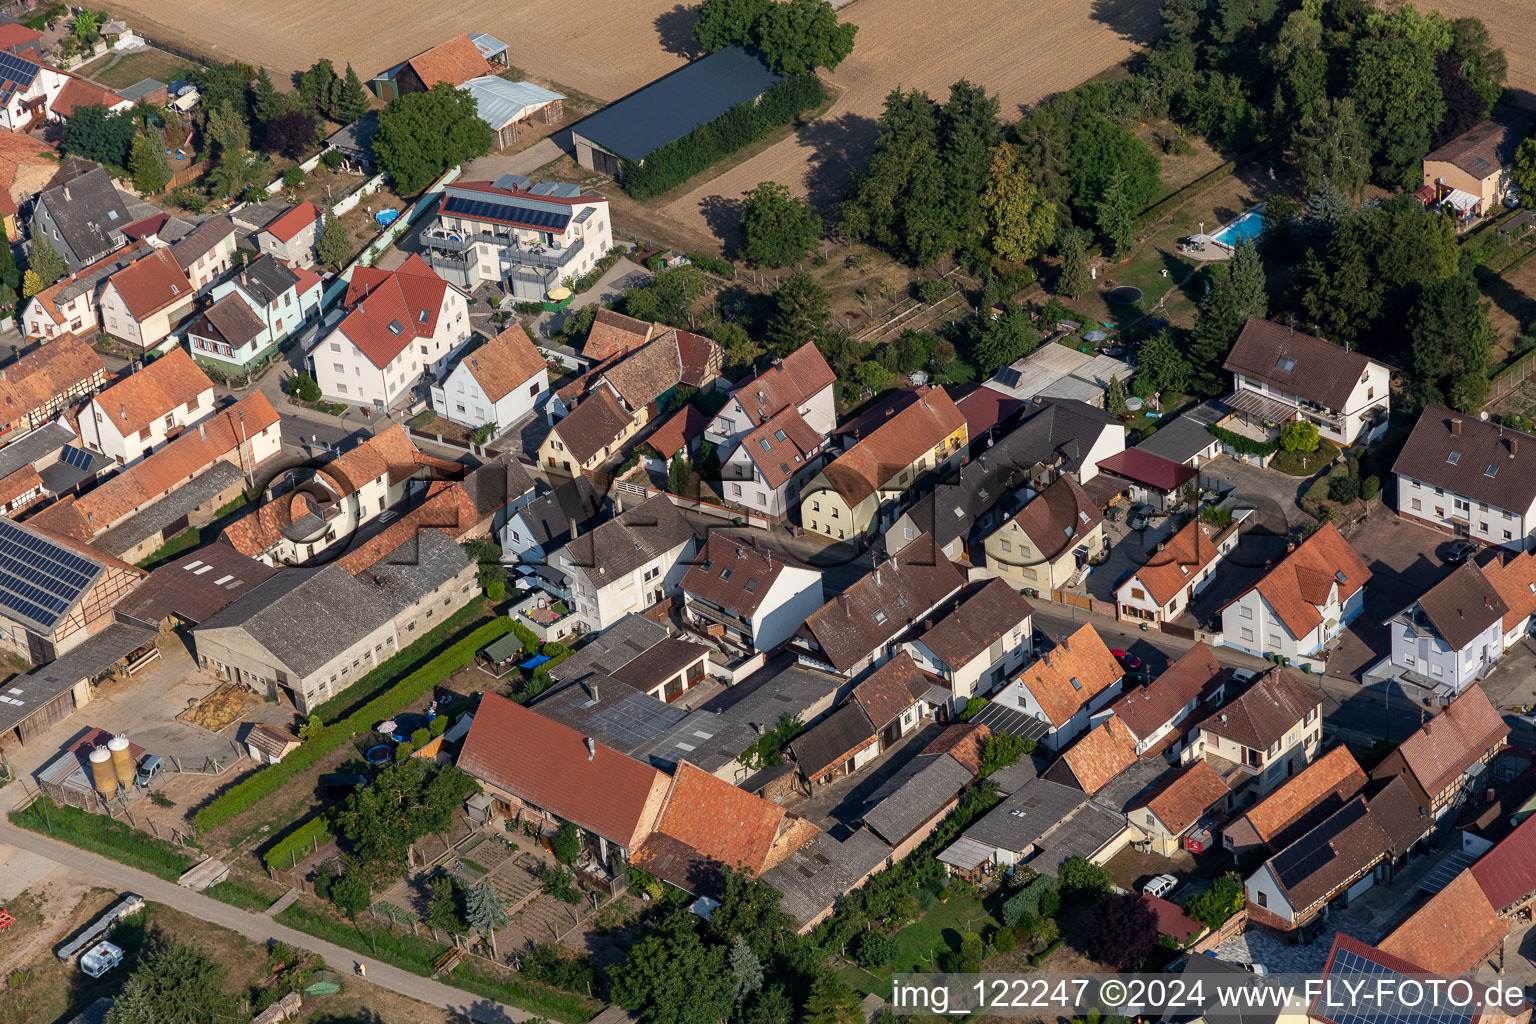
1483 416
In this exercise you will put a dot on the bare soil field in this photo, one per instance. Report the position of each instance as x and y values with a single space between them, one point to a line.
1512 27
1021 54
638 40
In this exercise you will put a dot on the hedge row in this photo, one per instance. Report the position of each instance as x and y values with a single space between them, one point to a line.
1027 899
246 794
298 842
674 163
1243 445
712 264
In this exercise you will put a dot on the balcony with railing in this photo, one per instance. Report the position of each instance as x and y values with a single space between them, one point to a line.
550 256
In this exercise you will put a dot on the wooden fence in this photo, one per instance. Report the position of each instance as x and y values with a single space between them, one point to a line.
189 173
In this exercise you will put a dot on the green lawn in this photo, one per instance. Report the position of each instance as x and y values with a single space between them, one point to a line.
919 945
1305 463
135 67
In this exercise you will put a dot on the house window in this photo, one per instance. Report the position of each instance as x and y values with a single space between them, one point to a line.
1138 594
1006 545
1417 504
652 573
1246 611
1263 898
1247 633
533 388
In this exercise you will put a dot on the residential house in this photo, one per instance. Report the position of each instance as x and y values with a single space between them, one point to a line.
866 487
73 304
253 313
355 144
1473 172
37 387
1049 540
399 325
504 105
526 237
454 62
973 648
1467 476
40 620
707 826
891 698
1060 371
145 301
536 531
1265 735
26 167
1280 374
766 473
293 236
1361 845
837 746
1151 479
1514 579
1447 759
1161 589
1298 805
813 878
1155 712
1452 634
801 381
593 432
207 253
537 769
1093 761
1176 805
1055 437
1298 608
628 563
83 219
1451 934
614 334
1062 690
681 430
859 628
497 384
748 596
906 808
305 635
146 409
183 484
76 93
1351 962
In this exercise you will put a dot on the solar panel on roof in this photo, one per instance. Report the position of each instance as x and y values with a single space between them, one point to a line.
1446 871
1388 1007
76 457
509 213
16 69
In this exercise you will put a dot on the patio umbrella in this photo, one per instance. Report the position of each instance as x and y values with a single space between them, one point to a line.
559 294
1095 336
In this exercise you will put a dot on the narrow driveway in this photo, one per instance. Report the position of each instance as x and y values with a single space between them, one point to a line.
1273 494
258 927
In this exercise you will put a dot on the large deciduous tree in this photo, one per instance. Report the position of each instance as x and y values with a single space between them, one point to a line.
1020 223
422 134
671 977
1122 931
777 229
1101 147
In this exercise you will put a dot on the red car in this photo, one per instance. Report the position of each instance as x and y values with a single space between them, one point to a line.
1127 661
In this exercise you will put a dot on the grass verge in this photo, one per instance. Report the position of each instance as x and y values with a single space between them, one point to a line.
102 835
243 893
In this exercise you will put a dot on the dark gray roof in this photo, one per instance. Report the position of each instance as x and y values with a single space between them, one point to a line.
203 488
625 543
612 711
1023 817
79 285
24 695
1123 791
138 90
201 241
255 216
357 137
194 586
791 691
813 877
303 617
33 446
915 803
416 569
611 649
266 279
1083 835
1457 452
1183 437
832 740
92 219
548 518
671 107
706 739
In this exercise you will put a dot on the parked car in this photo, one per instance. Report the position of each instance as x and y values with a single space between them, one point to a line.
1127 660
149 770
1139 516
1162 885
1460 551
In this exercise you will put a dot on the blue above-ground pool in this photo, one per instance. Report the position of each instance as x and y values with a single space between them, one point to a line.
386 217
1245 229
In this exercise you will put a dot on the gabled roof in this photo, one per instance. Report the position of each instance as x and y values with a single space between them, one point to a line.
1301 582
1462 606
1266 711
595 422
267 278
985 612
1453 932
832 740
963 741
1481 461
1446 745
782 446
86 279
90 213
230 320
59 574
894 445
645 375
789 383
1104 752
1026 815
1068 677
505 363
923 795
136 401
1179 802
152 284
642 532
722 825
1487 146
1148 708
295 220
1327 782
500 102
614 334
390 310
882 603
1514 579
892 689
1058 518
455 62
203 240
1296 363
1177 562
548 518
676 433
39 377
80 92
1507 873
551 766
735 574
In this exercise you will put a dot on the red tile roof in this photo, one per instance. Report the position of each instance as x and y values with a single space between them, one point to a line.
391 309
152 284
16 34
964 742
1179 802
678 430
137 400
894 445
1453 932
1171 919
1177 562
505 363
1336 775
1446 745
802 374
1514 578
1084 658
549 765
285 227
455 62
77 92
725 824
892 689
1507 873
1147 709
781 447
1057 518
984 409
1143 467
1301 582
42 375
614 334
1104 752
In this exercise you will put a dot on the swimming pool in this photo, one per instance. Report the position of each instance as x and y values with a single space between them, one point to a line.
1245 229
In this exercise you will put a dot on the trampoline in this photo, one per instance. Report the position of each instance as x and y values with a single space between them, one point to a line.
535 661
1125 295
377 754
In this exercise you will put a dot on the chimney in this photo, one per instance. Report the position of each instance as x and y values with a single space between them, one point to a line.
202 431
593 687
574 529
591 749
1455 426
67 196
1514 446
1426 726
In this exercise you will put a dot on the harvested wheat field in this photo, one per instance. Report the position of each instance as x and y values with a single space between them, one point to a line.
605 49
1512 27
1019 52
